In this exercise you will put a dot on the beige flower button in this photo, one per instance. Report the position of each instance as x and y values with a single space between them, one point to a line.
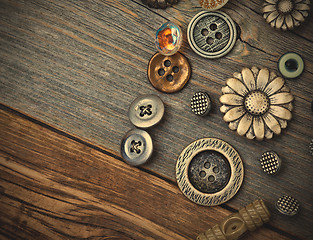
256 103
212 5
285 14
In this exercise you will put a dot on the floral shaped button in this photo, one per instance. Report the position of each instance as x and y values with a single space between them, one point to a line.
211 34
212 5
136 147
146 111
169 74
285 14
256 103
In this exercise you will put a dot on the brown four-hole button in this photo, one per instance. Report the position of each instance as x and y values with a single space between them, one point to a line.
169 74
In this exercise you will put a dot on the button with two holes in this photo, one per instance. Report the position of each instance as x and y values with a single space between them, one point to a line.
211 34
169 74
136 147
146 111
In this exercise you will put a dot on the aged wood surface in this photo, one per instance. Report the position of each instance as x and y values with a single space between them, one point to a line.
57 188
77 65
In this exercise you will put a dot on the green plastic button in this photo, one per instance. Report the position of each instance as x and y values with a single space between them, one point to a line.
290 65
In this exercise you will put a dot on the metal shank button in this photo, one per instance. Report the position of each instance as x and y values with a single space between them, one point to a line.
169 74
136 147
270 162
287 205
146 111
211 34
200 103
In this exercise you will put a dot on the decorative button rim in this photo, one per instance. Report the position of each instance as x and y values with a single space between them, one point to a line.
282 61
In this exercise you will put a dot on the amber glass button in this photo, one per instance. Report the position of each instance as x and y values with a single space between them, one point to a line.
169 74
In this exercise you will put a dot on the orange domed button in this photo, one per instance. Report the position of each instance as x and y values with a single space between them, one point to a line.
169 74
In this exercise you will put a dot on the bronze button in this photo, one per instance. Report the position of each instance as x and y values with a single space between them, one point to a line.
169 74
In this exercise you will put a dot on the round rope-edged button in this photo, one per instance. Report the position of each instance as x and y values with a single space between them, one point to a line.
270 162
291 65
200 103
169 74
146 111
209 171
211 34
136 147
287 205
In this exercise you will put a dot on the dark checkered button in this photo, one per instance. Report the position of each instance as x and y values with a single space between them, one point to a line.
270 162
287 205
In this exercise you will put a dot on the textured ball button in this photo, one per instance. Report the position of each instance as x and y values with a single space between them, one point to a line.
311 147
169 74
211 34
200 103
209 171
212 5
287 205
290 65
270 162
136 147
146 111
168 39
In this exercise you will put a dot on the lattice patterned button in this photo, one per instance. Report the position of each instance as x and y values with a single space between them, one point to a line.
270 162
287 205
200 103
311 147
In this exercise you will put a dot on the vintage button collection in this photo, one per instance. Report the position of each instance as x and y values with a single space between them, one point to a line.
136 147
211 34
270 162
146 111
200 103
209 171
169 74
290 65
236 225
255 102
287 205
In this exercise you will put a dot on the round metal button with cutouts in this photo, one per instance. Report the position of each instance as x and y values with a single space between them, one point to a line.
136 147
209 171
270 162
146 111
290 65
211 34
200 103
169 74
287 205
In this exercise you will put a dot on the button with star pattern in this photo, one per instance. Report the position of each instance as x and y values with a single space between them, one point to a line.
136 147
146 111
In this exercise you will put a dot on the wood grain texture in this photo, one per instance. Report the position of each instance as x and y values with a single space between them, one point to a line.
77 65
52 187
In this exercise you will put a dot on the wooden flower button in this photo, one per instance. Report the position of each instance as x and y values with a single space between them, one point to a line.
169 74
256 103
211 34
209 171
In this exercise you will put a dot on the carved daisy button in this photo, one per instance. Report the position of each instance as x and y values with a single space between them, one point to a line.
256 103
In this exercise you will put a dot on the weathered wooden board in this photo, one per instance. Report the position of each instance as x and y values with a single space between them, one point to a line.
77 65
52 187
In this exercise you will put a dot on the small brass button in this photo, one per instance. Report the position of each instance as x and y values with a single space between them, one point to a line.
136 147
209 171
200 103
169 74
287 205
146 111
290 65
311 147
270 162
211 34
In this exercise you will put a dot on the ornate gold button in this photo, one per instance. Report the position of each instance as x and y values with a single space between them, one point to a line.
212 5
169 74
209 171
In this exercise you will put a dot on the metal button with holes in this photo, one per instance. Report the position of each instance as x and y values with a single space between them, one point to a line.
209 171
212 34
146 111
200 103
169 74
287 205
136 147
290 65
270 162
